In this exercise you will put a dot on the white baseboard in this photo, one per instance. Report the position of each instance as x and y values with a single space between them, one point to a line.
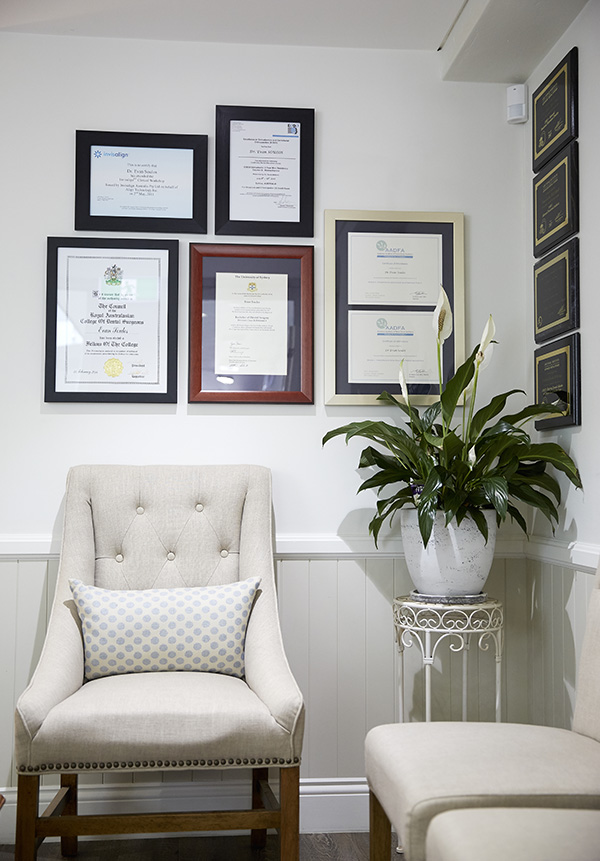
326 805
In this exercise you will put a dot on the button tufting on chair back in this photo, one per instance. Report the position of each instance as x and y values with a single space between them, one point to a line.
165 526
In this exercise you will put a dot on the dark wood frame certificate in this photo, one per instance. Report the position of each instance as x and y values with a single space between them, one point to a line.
555 110
145 183
264 183
111 320
383 272
556 201
251 324
556 292
558 381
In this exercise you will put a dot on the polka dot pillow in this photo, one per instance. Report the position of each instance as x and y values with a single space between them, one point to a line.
200 629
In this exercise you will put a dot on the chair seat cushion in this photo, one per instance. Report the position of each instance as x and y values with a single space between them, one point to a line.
159 720
418 770
511 834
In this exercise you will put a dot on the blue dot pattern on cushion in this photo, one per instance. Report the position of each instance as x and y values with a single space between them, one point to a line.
198 629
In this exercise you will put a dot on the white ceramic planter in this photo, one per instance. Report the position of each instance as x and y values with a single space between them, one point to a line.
457 560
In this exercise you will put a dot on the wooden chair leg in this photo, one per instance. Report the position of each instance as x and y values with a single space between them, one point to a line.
289 832
68 845
258 836
380 831
28 793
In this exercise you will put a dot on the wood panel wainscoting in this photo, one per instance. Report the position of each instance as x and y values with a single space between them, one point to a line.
337 625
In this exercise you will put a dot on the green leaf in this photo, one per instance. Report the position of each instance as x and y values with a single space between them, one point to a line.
477 515
381 479
431 414
547 482
553 453
532 411
373 457
456 386
516 515
496 491
535 499
485 414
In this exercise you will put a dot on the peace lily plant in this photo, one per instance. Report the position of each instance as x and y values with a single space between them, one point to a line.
485 461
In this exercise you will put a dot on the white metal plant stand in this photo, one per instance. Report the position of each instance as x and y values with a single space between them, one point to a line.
428 623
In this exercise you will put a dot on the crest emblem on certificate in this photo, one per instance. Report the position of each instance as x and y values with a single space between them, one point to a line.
113 276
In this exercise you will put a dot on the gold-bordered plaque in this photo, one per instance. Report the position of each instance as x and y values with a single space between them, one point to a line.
556 292
554 109
556 201
558 381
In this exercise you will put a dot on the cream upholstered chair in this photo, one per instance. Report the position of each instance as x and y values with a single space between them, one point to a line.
165 681
514 834
418 770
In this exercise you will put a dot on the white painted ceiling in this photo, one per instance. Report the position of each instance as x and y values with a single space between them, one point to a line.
483 40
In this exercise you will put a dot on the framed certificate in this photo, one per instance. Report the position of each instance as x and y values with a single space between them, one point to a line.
140 182
555 110
111 320
251 323
558 381
556 201
383 272
556 292
264 171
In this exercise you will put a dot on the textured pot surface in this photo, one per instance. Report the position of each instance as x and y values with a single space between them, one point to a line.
456 561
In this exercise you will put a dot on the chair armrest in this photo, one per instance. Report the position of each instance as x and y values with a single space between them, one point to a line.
267 670
59 672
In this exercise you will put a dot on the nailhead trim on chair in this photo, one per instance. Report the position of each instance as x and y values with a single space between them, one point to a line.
188 763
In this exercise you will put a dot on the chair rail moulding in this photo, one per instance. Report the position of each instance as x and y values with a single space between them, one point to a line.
510 545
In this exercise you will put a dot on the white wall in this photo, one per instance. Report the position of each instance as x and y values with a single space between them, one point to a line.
581 510
389 135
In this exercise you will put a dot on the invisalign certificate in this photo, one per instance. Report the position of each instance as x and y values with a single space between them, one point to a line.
251 324
378 341
394 268
264 180
141 181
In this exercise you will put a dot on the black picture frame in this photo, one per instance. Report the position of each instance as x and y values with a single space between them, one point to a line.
227 203
558 380
556 292
187 178
345 226
254 266
94 350
556 200
554 110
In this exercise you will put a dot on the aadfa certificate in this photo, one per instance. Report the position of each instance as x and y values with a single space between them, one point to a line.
264 171
394 268
141 181
251 323
378 342
112 308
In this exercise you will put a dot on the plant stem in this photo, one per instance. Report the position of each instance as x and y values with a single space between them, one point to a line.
471 406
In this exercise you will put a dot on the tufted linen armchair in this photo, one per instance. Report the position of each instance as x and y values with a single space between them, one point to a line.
169 684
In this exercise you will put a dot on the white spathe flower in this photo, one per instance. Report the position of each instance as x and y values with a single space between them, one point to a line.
402 380
442 317
486 347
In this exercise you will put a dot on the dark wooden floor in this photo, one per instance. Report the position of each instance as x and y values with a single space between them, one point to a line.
313 847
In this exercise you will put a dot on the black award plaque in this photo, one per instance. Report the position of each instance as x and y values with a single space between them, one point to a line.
556 292
554 110
556 201
557 381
